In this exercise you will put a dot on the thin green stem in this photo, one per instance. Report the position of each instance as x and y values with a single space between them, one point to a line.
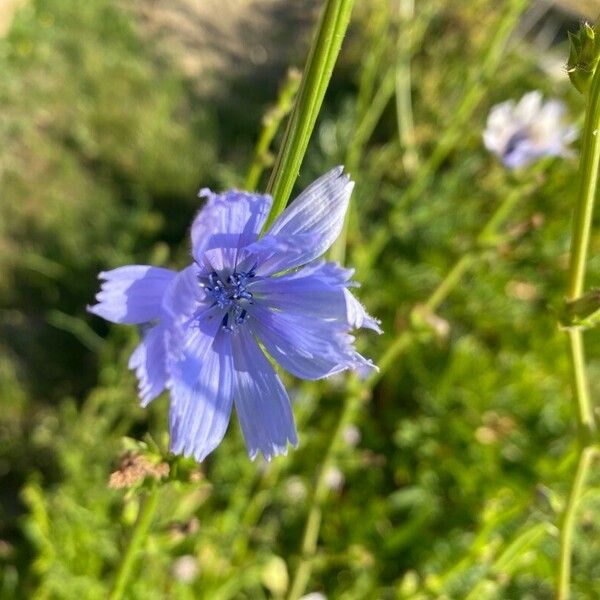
580 241
404 112
378 28
361 136
476 90
588 180
352 402
585 413
271 122
315 79
450 281
370 107
136 543
490 229
567 531
389 357
358 391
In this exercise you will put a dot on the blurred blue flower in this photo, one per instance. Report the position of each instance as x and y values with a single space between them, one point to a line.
204 326
521 133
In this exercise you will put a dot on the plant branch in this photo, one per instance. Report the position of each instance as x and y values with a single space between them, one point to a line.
315 79
136 542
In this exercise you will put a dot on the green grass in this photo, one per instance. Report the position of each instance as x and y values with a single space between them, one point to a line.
467 445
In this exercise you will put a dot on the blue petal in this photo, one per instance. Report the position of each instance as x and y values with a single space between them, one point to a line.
131 294
303 320
261 402
228 222
320 210
357 315
149 363
315 291
201 384
318 290
184 296
275 253
306 347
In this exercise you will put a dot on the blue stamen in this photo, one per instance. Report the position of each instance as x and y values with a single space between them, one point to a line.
230 295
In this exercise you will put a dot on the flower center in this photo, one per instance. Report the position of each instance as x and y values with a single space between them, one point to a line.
516 139
230 295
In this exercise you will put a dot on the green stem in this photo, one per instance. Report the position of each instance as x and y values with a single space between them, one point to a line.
567 531
588 178
357 391
378 28
354 397
404 112
317 74
580 241
490 230
370 107
366 125
451 280
585 413
476 91
271 122
362 133
138 537
389 357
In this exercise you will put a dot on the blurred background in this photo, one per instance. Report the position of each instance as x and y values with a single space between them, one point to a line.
450 480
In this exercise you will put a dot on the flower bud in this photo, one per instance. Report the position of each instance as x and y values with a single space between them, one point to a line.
583 56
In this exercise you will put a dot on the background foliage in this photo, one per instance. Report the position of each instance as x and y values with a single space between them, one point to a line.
450 482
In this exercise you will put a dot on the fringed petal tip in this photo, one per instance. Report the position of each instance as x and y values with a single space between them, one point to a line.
97 309
187 451
148 362
272 452
373 324
357 315
91 308
364 368
339 171
131 294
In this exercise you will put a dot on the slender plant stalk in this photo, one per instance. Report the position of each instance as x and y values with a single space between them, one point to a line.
361 136
585 413
588 181
370 107
476 90
358 391
464 112
271 122
450 281
315 79
354 398
584 462
404 112
580 241
136 543
453 277
378 27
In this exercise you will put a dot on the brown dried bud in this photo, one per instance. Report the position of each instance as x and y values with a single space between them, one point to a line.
134 468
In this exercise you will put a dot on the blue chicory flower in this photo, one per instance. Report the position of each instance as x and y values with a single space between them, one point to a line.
206 326
524 132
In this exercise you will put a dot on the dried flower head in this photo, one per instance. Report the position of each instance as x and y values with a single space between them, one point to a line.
134 468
